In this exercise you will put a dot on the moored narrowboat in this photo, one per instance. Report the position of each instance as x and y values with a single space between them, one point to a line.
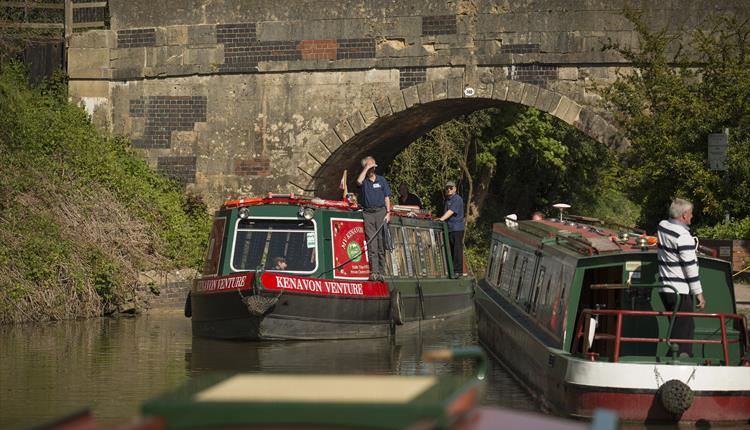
285 267
572 309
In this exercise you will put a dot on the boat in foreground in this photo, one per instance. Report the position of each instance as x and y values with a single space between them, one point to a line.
285 267
573 310
388 402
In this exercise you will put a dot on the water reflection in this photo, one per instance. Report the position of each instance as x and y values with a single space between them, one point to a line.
111 366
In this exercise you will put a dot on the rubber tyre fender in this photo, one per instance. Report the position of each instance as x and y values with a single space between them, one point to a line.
397 308
188 306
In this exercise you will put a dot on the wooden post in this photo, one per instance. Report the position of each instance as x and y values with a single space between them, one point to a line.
68 30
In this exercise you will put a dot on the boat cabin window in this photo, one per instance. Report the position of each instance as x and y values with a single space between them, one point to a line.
492 263
418 252
501 264
396 259
265 241
534 300
215 242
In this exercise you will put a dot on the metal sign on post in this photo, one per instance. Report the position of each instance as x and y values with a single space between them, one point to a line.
717 150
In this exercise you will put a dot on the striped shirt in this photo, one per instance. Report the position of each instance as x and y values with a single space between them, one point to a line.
678 262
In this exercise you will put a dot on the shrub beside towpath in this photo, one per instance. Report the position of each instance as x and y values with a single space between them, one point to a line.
81 216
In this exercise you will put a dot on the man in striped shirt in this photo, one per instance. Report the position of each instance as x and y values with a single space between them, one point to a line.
678 267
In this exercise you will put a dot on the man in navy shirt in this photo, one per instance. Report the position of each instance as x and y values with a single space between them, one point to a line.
454 215
375 199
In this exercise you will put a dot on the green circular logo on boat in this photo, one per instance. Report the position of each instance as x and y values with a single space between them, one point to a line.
354 251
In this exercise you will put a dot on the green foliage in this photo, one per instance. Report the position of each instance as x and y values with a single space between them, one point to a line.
512 159
80 215
733 229
667 113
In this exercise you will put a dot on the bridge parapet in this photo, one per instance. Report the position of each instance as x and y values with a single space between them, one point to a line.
240 97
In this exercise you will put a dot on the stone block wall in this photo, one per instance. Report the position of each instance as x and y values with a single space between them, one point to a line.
244 97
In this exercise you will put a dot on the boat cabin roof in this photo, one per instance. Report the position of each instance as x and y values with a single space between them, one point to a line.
348 205
580 235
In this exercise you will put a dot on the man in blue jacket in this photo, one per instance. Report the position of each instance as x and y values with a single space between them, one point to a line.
375 199
454 215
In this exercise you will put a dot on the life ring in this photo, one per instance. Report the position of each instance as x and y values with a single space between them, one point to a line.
397 308
188 306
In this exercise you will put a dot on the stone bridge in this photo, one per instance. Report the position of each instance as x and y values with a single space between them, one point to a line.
238 97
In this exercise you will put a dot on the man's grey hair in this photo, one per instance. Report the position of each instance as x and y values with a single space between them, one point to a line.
679 207
364 160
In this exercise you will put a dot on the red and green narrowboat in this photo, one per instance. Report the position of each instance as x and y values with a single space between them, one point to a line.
323 291
573 310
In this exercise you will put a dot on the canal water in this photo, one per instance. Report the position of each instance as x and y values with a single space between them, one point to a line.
112 365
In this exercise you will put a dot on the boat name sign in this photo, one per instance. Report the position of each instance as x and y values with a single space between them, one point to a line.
274 281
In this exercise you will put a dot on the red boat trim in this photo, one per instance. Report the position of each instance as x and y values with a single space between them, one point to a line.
328 287
297 284
631 405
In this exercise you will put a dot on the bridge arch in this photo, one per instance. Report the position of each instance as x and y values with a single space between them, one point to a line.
387 125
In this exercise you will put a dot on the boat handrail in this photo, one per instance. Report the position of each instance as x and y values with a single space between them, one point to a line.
619 339
290 199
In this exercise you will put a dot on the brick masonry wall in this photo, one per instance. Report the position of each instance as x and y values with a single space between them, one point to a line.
136 38
441 24
172 295
537 74
243 51
181 168
165 114
260 166
410 76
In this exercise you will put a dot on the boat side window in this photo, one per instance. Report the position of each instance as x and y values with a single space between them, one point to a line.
509 283
397 257
266 241
520 278
438 249
423 238
537 287
427 242
215 242
501 264
412 251
491 264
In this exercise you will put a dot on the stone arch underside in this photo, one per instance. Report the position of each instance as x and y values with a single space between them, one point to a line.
389 124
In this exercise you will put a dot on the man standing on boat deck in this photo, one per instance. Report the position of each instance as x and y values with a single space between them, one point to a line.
375 200
678 267
454 215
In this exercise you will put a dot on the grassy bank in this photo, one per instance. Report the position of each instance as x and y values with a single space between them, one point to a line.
80 215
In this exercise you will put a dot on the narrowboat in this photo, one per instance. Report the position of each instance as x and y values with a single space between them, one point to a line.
305 401
288 267
572 309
